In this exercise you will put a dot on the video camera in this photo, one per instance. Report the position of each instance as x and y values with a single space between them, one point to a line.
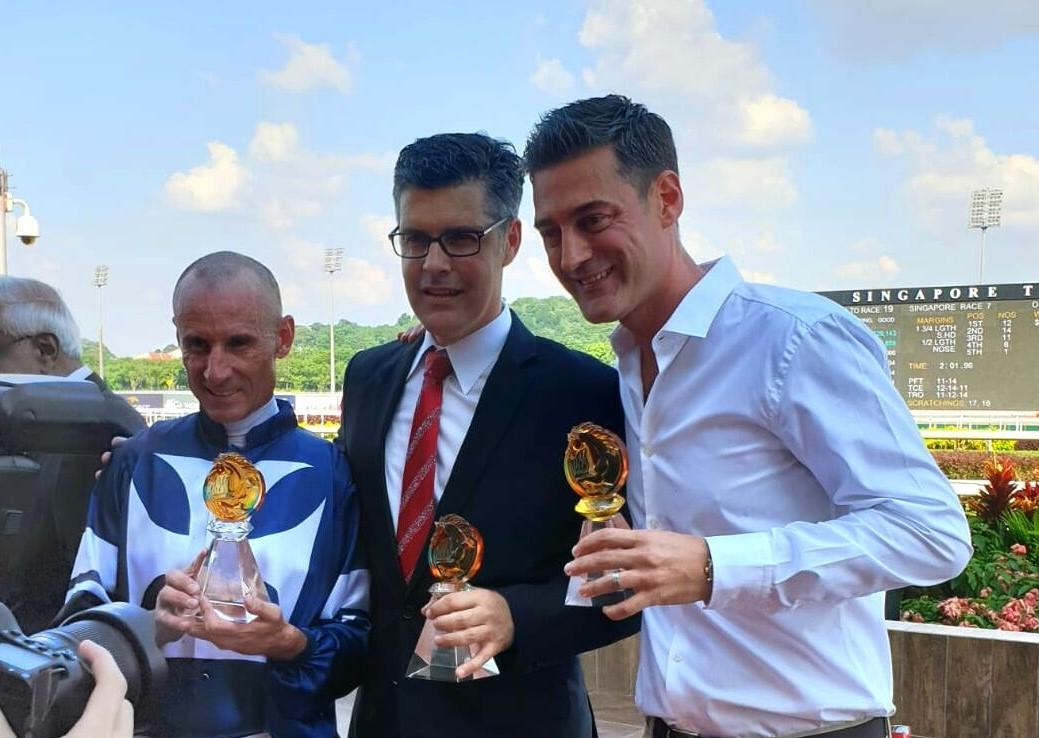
44 686
42 418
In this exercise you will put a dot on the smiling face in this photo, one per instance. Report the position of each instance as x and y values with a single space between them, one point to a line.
453 296
610 248
230 336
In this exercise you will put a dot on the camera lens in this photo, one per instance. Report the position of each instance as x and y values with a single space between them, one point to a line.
44 687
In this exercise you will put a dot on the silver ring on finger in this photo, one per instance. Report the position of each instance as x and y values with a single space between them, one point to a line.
615 575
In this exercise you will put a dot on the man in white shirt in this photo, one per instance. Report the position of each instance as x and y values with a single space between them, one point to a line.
777 480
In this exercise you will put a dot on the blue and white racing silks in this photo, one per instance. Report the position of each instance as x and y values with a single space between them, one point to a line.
147 516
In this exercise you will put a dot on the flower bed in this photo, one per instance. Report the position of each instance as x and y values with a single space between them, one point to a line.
1000 586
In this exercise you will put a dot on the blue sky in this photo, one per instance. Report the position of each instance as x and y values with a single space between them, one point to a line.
823 144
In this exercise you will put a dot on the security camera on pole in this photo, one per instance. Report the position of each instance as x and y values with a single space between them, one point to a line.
26 227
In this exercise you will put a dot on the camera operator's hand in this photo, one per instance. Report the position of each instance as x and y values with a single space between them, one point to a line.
268 635
177 603
116 442
107 714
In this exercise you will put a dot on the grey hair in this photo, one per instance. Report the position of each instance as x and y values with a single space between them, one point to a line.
29 307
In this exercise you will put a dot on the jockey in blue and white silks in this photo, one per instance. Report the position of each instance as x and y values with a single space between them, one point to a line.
147 516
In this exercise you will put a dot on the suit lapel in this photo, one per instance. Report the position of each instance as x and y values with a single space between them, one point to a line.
502 395
93 377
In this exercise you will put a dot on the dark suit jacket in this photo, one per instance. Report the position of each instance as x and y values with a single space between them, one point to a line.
507 481
35 585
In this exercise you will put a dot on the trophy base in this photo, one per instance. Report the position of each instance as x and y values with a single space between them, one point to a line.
443 662
437 664
229 574
232 612
607 598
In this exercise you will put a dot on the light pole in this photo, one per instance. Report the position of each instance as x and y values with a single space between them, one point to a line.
986 207
333 263
25 228
100 280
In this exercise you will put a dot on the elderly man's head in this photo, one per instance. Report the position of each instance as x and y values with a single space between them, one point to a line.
227 310
37 332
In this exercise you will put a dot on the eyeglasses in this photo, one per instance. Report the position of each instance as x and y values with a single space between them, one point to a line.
454 242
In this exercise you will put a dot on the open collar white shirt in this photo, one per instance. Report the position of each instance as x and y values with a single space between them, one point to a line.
472 359
773 430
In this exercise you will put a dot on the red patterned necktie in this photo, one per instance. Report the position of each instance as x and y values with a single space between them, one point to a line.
416 500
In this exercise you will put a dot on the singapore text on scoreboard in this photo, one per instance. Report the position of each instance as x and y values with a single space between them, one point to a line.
957 348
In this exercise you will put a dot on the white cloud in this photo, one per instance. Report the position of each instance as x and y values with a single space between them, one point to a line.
761 183
942 169
209 187
274 142
363 283
765 243
360 282
552 77
769 120
377 227
280 183
670 54
309 67
882 267
896 30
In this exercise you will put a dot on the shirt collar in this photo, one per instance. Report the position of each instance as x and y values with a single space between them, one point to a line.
82 373
259 415
471 356
697 310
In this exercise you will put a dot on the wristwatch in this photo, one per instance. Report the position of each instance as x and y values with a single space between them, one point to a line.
708 573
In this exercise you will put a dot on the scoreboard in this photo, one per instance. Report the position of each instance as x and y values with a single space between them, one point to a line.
958 348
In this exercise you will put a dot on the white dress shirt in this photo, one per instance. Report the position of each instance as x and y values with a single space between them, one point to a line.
472 359
774 430
82 373
239 429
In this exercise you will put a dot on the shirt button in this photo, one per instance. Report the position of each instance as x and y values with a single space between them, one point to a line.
205 676
654 523
647 450
678 658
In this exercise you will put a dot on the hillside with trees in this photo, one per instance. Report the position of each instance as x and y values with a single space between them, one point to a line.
306 368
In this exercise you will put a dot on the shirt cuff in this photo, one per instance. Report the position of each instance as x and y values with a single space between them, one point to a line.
742 569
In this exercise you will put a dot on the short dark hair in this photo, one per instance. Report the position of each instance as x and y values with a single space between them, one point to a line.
215 269
452 159
641 140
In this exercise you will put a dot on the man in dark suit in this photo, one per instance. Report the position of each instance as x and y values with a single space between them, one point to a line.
38 335
498 403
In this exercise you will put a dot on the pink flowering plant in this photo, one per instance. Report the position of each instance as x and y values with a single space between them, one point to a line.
1000 586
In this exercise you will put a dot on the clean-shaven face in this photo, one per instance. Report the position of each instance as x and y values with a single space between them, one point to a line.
453 296
230 338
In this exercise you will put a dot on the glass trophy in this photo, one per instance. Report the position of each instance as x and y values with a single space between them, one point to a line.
234 489
455 556
596 467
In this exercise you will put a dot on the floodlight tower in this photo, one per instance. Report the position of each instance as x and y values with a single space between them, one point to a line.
986 207
333 263
100 280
